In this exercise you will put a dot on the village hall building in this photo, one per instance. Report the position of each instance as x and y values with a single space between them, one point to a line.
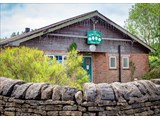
107 48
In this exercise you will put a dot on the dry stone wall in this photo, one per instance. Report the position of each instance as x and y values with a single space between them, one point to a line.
18 98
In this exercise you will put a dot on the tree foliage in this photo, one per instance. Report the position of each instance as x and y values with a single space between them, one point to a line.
144 22
73 46
74 69
32 65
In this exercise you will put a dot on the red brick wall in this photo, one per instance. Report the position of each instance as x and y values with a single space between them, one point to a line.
102 72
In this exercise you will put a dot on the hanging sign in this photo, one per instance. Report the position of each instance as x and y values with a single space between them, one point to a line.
94 37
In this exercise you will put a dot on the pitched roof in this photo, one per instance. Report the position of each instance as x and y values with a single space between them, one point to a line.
30 35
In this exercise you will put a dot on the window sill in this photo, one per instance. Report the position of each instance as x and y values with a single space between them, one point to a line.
112 68
125 69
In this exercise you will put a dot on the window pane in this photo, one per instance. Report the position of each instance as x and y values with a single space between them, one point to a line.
125 62
113 62
65 57
57 58
50 57
60 57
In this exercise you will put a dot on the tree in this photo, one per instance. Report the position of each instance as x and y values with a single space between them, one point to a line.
72 46
144 21
13 34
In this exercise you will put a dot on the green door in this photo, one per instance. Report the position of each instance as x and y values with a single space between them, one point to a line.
87 65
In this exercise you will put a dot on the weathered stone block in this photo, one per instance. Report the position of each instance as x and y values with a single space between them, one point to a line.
54 107
5 99
76 113
126 91
21 90
68 93
111 108
70 108
51 102
156 81
52 113
25 114
79 97
3 81
90 92
10 109
25 105
11 99
1 97
126 107
18 113
89 114
47 93
18 101
70 113
157 111
24 110
1 109
7 113
8 86
86 104
32 102
139 110
150 112
156 103
18 109
56 95
118 90
129 112
95 109
40 112
34 91
108 113
65 113
136 105
83 109
152 90
104 92
141 87
1 102
30 110
105 103
41 107
10 104
148 104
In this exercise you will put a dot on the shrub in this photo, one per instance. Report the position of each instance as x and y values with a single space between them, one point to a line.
154 68
74 69
31 65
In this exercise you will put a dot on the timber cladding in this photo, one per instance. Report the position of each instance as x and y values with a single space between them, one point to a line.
52 42
18 98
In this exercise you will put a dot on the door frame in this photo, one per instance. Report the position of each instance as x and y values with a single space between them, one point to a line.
91 66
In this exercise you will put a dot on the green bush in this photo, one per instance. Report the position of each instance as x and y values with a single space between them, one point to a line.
31 65
154 68
74 69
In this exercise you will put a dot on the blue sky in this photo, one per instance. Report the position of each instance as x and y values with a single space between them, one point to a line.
15 17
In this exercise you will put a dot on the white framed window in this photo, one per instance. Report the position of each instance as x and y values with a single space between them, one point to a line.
112 62
60 58
125 62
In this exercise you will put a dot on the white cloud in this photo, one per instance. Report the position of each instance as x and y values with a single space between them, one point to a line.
40 15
